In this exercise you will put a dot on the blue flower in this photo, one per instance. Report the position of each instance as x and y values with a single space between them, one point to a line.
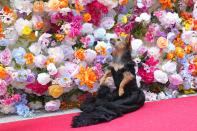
100 33
25 76
18 55
22 109
4 42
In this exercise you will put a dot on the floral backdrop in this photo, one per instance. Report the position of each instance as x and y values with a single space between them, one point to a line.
54 52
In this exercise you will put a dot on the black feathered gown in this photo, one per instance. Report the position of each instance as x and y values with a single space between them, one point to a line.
109 105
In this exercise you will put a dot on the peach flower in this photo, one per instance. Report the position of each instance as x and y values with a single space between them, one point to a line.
162 42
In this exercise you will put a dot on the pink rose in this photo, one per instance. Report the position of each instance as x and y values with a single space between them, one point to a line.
175 79
53 105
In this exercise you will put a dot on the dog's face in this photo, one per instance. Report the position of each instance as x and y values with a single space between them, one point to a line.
118 50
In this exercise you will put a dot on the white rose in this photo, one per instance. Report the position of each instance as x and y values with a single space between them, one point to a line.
161 76
7 109
136 44
90 55
35 48
40 61
99 33
154 51
43 78
169 67
145 17
51 69
53 105
56 53
87 28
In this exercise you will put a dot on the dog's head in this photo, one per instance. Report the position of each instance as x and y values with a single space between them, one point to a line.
120 48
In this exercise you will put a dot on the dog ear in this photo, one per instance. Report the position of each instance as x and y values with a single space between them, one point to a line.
128 42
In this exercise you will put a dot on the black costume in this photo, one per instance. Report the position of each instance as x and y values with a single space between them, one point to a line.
108 105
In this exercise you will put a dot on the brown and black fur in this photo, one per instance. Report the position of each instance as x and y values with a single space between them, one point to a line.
108 105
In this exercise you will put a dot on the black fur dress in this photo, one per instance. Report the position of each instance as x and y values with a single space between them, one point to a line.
108 105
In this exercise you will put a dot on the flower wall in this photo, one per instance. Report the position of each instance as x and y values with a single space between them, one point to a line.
54 52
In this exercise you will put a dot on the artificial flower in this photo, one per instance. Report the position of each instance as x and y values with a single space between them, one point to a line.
87 28
35 105
18 54
90 55
51 69
37 88
87 77
43 78
29 57
57 54
55 91
175 79
161 76
23 26
162 42
80 54
3 87
53 105
169 67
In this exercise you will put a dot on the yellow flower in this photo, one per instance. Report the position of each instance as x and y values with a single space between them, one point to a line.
187 25
26 30
29 57
49 60
55 91
87 77
124 19
59 37
123 34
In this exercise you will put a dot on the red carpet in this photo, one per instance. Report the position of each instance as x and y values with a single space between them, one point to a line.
168 115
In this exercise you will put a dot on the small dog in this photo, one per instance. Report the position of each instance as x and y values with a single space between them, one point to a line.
108 105
119 50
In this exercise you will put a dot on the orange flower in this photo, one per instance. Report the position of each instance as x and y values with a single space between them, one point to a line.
87 77
167 4
86 17
3 73
186 15
195 25
80 54
162 42
54 5
1 30
39 25
170 56
63 3
29 57
188 49
179 52
59 37
178 41
78 6
38 6
123 2
7 10
49 60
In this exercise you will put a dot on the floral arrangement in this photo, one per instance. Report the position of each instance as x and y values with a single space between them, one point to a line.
53 53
